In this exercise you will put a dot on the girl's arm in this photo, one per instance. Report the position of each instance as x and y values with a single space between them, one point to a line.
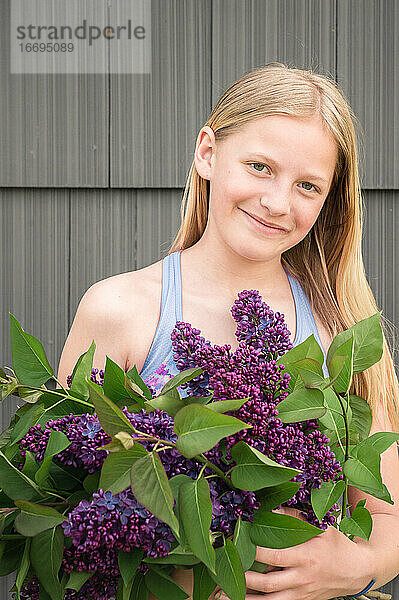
383 543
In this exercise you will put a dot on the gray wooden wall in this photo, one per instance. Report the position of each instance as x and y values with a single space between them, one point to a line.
92 167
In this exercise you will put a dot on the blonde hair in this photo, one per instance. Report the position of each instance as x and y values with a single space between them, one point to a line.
328 261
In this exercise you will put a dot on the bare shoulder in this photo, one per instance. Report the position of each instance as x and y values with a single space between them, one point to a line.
124 299
115 313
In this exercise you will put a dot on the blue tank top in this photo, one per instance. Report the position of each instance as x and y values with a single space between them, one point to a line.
161 351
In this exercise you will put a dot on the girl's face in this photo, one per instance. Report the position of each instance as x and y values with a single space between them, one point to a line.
278 168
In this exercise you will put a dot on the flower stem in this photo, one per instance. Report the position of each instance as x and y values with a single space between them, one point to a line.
345 416
63 397
60 384
198 457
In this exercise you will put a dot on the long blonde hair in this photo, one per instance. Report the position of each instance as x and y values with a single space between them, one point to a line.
328 261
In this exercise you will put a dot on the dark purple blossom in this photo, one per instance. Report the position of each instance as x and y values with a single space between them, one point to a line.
252 371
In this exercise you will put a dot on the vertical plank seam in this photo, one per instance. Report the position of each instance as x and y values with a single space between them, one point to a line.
109 111
336 40
69 258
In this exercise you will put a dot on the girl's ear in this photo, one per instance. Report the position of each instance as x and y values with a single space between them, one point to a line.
205 152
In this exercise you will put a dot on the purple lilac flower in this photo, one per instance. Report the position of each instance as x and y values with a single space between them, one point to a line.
93 377
85 433
100 528
98 587
259 326
157 380
228 505
251 371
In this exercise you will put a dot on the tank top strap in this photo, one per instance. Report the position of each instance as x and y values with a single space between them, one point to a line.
171 311
305 321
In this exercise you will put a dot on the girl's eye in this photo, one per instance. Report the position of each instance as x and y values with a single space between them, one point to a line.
256 164
259 164
311 184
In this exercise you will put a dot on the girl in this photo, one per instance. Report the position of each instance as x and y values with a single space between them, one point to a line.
272 203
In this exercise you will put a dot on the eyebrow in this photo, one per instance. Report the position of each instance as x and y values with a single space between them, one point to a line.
269 159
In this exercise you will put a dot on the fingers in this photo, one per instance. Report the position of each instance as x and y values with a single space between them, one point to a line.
285 557
275 581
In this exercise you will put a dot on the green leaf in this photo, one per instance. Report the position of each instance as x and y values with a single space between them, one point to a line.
307 350
111 418
91 482
333 437
361 416
29 359
222 406
165 402
15 483
27 420
180 378
199 399
274 496
11 555
7 389
114 384
199 428
301 405
35 518
23 567
82 370
242 541
175 483
255 470
275 530
368 342
203 583
324 498
134 376
259 567
163 586
333 419
364 469
57 442
30 396
125 439
30 467
43 595
115 472
379 441
360 523
177 556
46 556
340 365
229 571
128 563
135 391
196 513
77 579
139 589
56 407
151 488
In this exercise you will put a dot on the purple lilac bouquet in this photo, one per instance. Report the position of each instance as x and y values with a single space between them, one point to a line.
110 484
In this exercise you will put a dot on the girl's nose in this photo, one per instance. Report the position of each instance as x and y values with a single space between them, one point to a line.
277 204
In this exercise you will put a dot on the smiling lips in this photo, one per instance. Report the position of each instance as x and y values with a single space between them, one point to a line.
263 222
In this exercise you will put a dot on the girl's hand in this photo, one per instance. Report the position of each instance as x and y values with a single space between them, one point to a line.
327 566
